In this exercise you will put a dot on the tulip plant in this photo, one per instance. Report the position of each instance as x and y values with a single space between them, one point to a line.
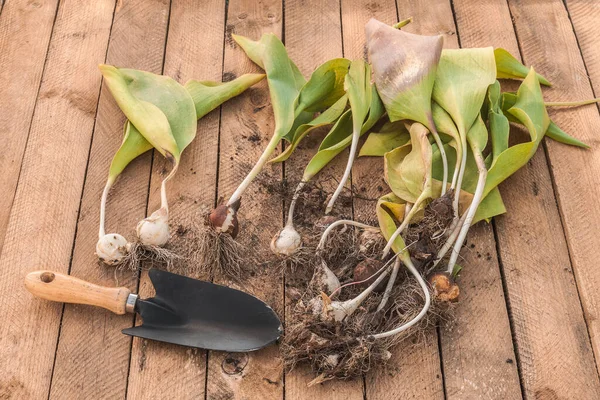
443 116
161 114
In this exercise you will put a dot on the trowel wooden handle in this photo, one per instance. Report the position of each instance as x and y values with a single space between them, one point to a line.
54 286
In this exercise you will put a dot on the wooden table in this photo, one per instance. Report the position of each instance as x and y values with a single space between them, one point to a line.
527 324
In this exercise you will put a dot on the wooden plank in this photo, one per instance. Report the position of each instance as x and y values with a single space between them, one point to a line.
44 215
323 23
25 30
158 370
535 256
418 363
584 17
476 344
246 127
97 364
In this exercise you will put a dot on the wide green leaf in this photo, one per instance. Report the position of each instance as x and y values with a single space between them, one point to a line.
554 132
159 107
283 77
499 125
508 67
405 76
324 87
462 80
358 87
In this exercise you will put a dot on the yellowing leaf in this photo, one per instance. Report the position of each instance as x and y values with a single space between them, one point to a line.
159 108
404 66
462 80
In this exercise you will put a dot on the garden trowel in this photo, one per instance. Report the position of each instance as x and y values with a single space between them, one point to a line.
184 311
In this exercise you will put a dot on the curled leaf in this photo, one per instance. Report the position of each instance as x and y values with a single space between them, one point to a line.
528 109
157 106
404 69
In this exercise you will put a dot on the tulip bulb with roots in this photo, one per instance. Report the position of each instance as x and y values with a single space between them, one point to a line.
152 234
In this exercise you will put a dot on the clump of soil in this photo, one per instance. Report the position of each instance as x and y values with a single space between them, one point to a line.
428 234
346 349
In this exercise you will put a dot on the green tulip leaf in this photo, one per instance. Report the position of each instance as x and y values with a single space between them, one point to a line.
340 136
499 125
328 117
208 95
159 107
530 111
283 77
134 145
555 133
390 136
461 83
325 86
508 67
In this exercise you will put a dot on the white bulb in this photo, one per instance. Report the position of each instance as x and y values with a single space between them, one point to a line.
154 230
112 248
286 242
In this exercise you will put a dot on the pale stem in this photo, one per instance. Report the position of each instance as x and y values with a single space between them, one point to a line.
421 314
353 147
461 172
290 217
338 223
373 275
455 229
456 166
405 222
255 170
477 197
390 285
109 183
346 308
440 145
163 187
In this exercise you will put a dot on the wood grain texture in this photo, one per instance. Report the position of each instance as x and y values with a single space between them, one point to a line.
62 288
417 362
194 50
93 355
326 43
476 343
585 17
534 255
44 215
25 30
246 127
